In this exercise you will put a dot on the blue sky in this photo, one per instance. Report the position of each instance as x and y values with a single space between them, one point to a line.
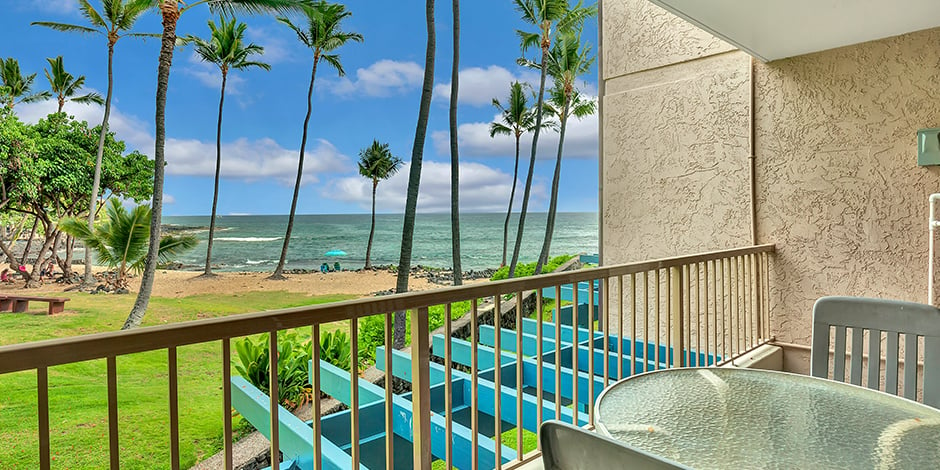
377 99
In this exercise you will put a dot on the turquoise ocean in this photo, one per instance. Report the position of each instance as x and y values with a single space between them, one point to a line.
253 242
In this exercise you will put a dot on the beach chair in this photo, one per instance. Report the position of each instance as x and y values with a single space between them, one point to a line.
336 267
324 268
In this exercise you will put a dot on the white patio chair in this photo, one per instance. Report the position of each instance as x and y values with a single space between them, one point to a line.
892 317
566 447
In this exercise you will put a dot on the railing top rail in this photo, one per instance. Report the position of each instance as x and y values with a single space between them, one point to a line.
28 356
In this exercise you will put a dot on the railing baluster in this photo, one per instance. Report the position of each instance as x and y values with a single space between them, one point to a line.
590 352
646 323
621 300
575 352
448 388
273 387
519 393
174 410
714 307
42 399
540 361
767 333
657 366
498 380
113 448
421 388
558 362
748 299
698 316
474 381
604 297
723 315
354 388
315 383
227 402
633 300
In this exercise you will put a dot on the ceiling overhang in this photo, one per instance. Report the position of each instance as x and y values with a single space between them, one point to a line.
776 29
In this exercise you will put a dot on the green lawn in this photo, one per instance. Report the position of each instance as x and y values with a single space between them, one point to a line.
78 392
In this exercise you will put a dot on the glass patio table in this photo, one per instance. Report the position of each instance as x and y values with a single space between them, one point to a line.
710 418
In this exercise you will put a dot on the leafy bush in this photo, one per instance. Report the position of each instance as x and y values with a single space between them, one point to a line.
372 329
526 269
293 356
335 348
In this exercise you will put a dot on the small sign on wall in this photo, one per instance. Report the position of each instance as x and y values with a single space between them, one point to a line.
928 147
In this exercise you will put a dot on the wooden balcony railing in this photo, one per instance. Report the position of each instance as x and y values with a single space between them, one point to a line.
703 309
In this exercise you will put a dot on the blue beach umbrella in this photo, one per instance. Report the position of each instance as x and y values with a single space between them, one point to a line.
335 253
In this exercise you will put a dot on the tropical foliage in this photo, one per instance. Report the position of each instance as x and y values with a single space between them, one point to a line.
18 88
65 86
527 269
377 163
115 20
549 17
120 241
322 34
226 48
293 359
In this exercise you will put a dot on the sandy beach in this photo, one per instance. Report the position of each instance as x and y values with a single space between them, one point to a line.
187 283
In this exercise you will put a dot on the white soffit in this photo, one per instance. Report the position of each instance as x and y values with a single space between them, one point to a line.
775 29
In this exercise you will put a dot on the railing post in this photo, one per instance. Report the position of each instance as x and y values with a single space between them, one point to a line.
420 388
676 303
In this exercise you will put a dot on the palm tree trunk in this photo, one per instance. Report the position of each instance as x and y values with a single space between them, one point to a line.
170 11
454 158
553 202
512 195
279 271
88 279
414 177
528 180
375 184
218 167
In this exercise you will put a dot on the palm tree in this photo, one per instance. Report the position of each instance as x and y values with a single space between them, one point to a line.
377 163
64 86
550 17
517 119
121 240
171 10
414 176
16 88
569 60
116 18
323 36
226 48
454 159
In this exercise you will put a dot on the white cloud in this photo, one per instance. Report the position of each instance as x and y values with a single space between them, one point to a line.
482 189
383 78
581 141
243 159
276 49
168 199
210 76
478 86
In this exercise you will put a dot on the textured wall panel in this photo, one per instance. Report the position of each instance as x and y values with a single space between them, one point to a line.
640 36
840 192
676 163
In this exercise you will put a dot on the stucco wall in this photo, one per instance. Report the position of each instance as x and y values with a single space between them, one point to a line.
838 188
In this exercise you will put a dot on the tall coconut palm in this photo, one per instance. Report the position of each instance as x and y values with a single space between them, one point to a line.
322 34
16 88
569 60
414 176
171 10
64 85
377 163
226 48
114 21
549 17
516 118
454 158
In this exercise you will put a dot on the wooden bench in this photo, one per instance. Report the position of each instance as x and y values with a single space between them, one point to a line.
20 303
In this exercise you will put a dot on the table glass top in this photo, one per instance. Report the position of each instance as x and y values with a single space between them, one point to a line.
741 418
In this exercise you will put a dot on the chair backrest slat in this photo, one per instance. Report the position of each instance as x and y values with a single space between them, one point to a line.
858 335
891 362
893 317
874 358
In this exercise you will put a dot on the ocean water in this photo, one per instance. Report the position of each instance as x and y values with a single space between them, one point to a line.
253 243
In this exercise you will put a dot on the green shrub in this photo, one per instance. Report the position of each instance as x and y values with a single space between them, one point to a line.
293 356
372 329
335 348
526 269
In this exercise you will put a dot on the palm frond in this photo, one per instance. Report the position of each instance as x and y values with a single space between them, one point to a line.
64 27
91 14
333 60
173 246
91 98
